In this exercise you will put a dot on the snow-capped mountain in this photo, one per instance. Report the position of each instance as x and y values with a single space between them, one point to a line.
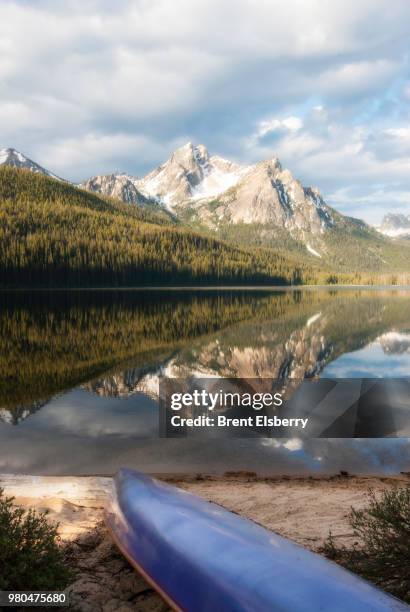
190 174
395 225
214 191
120 186
11 157
217 191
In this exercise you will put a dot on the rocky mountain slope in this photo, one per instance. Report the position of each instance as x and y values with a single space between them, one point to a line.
266 194
215 192
11 157
119 186
395 225
264 205
191 174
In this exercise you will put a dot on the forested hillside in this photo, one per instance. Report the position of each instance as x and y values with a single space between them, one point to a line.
350 246
53 234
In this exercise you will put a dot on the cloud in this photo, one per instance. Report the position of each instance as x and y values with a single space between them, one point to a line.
76 156
291 124
394 143
94 86
362 168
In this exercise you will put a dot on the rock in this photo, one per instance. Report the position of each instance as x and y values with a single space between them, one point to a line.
119 186
105 582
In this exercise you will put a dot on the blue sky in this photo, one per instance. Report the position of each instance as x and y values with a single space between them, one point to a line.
91 87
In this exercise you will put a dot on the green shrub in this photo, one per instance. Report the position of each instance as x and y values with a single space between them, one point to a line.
30 556
381 553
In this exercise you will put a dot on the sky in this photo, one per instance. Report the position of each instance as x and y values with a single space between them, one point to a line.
91 87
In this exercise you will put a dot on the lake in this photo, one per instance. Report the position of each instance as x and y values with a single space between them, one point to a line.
79 374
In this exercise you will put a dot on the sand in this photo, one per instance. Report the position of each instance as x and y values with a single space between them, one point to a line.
302 509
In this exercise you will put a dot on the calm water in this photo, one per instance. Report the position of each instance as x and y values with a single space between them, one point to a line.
79 374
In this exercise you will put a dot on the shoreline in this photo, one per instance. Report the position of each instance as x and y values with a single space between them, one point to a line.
301 508
267 288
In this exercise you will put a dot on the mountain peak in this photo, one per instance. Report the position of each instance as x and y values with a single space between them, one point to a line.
395 225
190 146
190 154
186 149
217 191
120 186
9 154
12 157
275 163
190 174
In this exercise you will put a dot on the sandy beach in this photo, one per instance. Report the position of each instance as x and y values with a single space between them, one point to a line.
302 509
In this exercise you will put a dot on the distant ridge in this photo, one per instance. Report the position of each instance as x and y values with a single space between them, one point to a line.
395 225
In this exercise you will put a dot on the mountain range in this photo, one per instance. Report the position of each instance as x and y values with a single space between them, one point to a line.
259 205
212 192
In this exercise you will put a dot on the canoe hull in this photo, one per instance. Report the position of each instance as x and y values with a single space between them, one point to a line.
201 557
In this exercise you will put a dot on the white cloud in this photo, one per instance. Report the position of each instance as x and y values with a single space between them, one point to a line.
271 125
111 150
359 77
363 169
370 204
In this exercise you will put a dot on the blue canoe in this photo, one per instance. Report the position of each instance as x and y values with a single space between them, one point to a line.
200 557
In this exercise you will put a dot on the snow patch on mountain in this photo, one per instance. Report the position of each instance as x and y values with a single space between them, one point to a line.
217 180
12 157
312 251
216 191
190 174
395 225
3 155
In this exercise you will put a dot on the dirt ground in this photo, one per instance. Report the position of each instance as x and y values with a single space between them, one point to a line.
302 509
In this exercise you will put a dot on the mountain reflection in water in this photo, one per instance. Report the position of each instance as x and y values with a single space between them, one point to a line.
79 373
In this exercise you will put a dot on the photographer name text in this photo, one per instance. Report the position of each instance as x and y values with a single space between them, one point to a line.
220 420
